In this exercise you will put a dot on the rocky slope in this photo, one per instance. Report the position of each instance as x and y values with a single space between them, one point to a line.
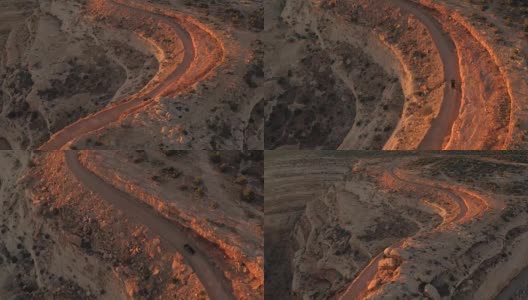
40 258
219 197
293 179
411 225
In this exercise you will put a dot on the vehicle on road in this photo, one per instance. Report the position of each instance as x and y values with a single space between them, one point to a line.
189 249
453 84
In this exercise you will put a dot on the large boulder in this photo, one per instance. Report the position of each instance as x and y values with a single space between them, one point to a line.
388 263
399 253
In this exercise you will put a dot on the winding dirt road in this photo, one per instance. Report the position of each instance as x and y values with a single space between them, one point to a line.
171 236
360 284
461 203
111 114
440 130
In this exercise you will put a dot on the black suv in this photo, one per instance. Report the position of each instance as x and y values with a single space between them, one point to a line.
189 249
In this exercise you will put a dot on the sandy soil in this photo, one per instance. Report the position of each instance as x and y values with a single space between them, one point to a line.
441 126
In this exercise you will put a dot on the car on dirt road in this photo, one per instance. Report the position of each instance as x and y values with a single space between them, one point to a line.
189 249
453 83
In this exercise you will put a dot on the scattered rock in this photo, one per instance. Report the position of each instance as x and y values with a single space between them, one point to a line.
373 284
431 292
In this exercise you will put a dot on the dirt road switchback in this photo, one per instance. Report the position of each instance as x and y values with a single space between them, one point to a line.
171 236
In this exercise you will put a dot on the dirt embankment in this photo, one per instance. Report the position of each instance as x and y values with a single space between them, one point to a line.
179 76
209 49
349 223
486 109
482 110
501 51
420 264
121 251
114 51
444 203
209 211
292 182
422 79
163 38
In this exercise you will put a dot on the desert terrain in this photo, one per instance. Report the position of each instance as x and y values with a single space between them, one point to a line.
396 75
222 149
131 225
113 74
281 74
396 225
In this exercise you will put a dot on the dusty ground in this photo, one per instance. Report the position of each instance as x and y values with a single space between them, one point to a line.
404 225
38 259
